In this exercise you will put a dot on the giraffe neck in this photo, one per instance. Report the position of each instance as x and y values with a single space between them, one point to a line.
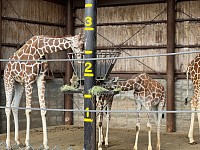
38 46
127 85
47 45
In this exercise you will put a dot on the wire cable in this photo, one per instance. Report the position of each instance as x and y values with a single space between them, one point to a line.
104 111
119 57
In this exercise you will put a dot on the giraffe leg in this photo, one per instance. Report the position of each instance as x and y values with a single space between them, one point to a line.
149 131
28 93
41 94
137 127
16 101
100 131
158 124
9 92
108 120
198 114
190 134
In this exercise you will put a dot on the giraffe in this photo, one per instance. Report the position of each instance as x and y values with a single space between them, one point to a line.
149 94
20 76
193 70
108 99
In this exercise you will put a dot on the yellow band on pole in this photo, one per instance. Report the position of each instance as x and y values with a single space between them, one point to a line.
87 96
88 74
88 52
88 5
89 29
88 120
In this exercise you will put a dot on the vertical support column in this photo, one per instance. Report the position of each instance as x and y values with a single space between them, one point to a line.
0 64
170 65
68 103
89 75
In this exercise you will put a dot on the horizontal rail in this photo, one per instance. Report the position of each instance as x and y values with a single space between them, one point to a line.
33 22
130 47
124 57
104 111
141 22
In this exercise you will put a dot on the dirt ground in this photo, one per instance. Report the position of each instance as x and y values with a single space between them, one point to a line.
63 137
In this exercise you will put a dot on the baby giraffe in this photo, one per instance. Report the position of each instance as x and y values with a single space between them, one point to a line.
108 99
149 94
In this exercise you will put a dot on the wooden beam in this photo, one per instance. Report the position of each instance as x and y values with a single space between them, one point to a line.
108 3
61 2
68 103
1 110
170 65
140 22
33 21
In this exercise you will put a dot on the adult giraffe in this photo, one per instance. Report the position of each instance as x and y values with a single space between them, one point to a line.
194 70
149 94
22 74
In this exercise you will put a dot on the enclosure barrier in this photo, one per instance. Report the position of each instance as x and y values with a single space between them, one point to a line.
112 59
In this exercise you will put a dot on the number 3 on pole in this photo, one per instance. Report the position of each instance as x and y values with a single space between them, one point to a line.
88 23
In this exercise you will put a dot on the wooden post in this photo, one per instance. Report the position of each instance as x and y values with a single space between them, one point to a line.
170 65
0 65
68 103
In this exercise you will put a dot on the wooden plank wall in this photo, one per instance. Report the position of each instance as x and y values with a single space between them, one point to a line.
153 34
15 32
188 32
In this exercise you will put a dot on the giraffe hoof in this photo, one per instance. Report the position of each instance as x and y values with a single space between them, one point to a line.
18 146
134 148
193 143
21 145
106 146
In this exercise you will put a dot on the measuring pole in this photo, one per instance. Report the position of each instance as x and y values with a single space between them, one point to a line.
89 75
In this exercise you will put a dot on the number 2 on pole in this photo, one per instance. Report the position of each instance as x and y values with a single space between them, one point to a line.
88 21
88 67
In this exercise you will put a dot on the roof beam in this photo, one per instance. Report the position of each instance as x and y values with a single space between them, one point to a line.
106 3
109 3
62 2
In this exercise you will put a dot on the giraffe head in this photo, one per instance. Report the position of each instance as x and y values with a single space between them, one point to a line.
131 84
77 43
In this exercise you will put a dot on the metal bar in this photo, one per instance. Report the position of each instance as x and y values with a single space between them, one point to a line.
129 74
123 47
68 103
89 75
170 64
141 22
80 3
0 64
61 2
33 22
145 47
107 3
127 23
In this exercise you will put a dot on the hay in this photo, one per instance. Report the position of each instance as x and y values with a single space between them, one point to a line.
97 90
66 88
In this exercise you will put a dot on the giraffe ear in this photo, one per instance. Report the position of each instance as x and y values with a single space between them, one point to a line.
79 36
138 80
83 37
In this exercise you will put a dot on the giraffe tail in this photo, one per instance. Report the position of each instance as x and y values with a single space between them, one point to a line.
187 75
